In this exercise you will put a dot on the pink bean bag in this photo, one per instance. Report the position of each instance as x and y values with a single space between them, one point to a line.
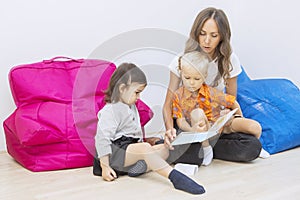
54 124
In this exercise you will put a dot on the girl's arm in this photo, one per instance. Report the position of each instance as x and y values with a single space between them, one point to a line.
106 129
167 108
108 173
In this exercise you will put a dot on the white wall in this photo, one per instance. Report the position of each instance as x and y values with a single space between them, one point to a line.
265 36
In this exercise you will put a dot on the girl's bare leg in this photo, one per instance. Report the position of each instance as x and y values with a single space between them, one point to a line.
154 159
161 150
154 156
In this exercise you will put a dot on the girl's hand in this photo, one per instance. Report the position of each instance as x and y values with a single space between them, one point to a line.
108 173
169 137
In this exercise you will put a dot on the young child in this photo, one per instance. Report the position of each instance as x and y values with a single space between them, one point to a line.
118 138
196 106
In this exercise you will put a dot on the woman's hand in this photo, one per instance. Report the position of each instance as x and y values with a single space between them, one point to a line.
170 135
224 112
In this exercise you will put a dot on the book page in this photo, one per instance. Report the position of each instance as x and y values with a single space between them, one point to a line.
191 137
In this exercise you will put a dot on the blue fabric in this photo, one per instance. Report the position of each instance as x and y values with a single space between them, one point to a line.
243 77
275 104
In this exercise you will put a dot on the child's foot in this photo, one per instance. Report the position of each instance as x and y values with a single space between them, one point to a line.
264 154
208 155
184 183
137 169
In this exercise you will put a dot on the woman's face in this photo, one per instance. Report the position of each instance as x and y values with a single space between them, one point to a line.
209 37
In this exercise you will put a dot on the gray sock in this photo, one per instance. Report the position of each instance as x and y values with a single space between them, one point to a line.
137 169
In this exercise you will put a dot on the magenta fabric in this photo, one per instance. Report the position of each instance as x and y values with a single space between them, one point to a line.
54 124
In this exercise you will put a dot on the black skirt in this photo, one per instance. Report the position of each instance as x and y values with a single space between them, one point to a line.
117 158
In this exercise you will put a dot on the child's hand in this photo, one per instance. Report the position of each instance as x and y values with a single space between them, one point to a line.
199 128
108 173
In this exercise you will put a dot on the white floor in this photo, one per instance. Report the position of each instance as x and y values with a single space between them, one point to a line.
277 177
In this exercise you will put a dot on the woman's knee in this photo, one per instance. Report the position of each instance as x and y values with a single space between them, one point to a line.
255 128
247 126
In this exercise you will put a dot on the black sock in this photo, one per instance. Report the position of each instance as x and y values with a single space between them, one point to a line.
182 182
137 169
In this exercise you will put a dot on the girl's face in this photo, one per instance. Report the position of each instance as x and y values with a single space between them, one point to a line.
131 93
192 80
209 37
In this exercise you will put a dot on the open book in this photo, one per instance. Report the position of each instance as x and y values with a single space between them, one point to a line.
191 137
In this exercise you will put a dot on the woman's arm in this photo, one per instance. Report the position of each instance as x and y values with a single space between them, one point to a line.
167 108
231 87
237 105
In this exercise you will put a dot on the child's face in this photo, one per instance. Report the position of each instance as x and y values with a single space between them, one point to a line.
191 78
130 94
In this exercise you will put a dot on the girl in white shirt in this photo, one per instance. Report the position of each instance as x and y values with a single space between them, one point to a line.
118 139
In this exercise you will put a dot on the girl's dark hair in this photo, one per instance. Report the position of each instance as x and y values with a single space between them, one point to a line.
223 50
126 73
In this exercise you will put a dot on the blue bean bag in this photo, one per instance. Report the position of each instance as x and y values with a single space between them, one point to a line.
275 103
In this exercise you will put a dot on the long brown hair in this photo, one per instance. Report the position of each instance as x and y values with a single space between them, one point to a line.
126 73
223 50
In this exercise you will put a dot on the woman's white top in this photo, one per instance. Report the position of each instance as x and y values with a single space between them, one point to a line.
213 71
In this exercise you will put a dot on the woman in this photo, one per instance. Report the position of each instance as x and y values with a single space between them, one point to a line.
211 34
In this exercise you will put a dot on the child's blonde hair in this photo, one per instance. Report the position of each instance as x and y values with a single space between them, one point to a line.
197 60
